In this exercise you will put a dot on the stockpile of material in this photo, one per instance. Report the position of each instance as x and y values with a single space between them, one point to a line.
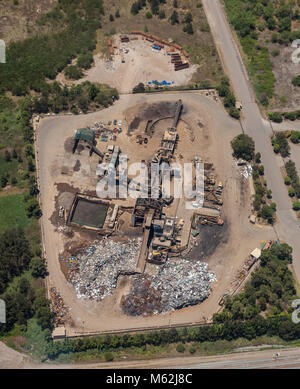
178 283
101 265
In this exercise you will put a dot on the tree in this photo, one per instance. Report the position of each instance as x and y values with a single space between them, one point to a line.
111 18
85 60
175 4
243 147
188 28
72 72
148 15
188 18
229 100
267 213
32 208
174 18
7 156
38 267
117 14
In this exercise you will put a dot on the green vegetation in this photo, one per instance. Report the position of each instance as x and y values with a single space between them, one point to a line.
296 81
280 144
278 117
243 147
253 20
33 60
82 96
291 171
269 292
12 212
23 300
228 97
140 88
73 73
295 136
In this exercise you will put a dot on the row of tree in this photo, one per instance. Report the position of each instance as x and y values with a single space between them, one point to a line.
229 330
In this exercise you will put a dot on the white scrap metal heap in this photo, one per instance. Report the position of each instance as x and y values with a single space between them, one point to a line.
183 283
179 282
100 268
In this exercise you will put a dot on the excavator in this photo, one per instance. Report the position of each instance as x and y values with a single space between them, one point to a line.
156 253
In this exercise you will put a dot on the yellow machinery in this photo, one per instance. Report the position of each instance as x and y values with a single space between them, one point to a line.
159 252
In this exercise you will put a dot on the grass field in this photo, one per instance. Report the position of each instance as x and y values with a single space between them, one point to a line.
12 212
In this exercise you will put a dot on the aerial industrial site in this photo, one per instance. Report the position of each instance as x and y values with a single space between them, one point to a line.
143 257
149 187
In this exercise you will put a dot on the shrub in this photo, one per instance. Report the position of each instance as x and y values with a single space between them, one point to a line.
261 170
295 136
296 205
192 350
108 357
234 112
296 81
148 15
281 141
275 117
180 348
287 180
275 52
257 157
140 88
291 192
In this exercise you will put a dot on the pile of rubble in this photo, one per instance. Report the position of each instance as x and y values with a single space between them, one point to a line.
178 284
101 265
62 314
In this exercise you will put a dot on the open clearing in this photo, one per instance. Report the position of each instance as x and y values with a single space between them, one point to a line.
204 129
142 64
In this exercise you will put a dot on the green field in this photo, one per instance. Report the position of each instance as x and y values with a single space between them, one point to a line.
12 212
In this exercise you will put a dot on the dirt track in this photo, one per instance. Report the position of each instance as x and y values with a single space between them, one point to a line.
92 316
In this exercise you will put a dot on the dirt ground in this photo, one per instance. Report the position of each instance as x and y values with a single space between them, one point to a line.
205 130
142 64
285 70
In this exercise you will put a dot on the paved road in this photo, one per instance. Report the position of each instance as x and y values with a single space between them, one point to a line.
254 125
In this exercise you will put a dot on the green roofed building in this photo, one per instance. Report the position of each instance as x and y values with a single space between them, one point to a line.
85 134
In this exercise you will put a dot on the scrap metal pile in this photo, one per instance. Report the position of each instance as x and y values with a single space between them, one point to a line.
178 283
101 265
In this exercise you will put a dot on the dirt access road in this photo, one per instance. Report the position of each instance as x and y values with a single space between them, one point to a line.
225 261
254 125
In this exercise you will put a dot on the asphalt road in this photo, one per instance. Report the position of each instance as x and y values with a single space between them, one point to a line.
254 125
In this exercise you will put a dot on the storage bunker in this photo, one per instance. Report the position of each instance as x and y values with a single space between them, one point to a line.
90 212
